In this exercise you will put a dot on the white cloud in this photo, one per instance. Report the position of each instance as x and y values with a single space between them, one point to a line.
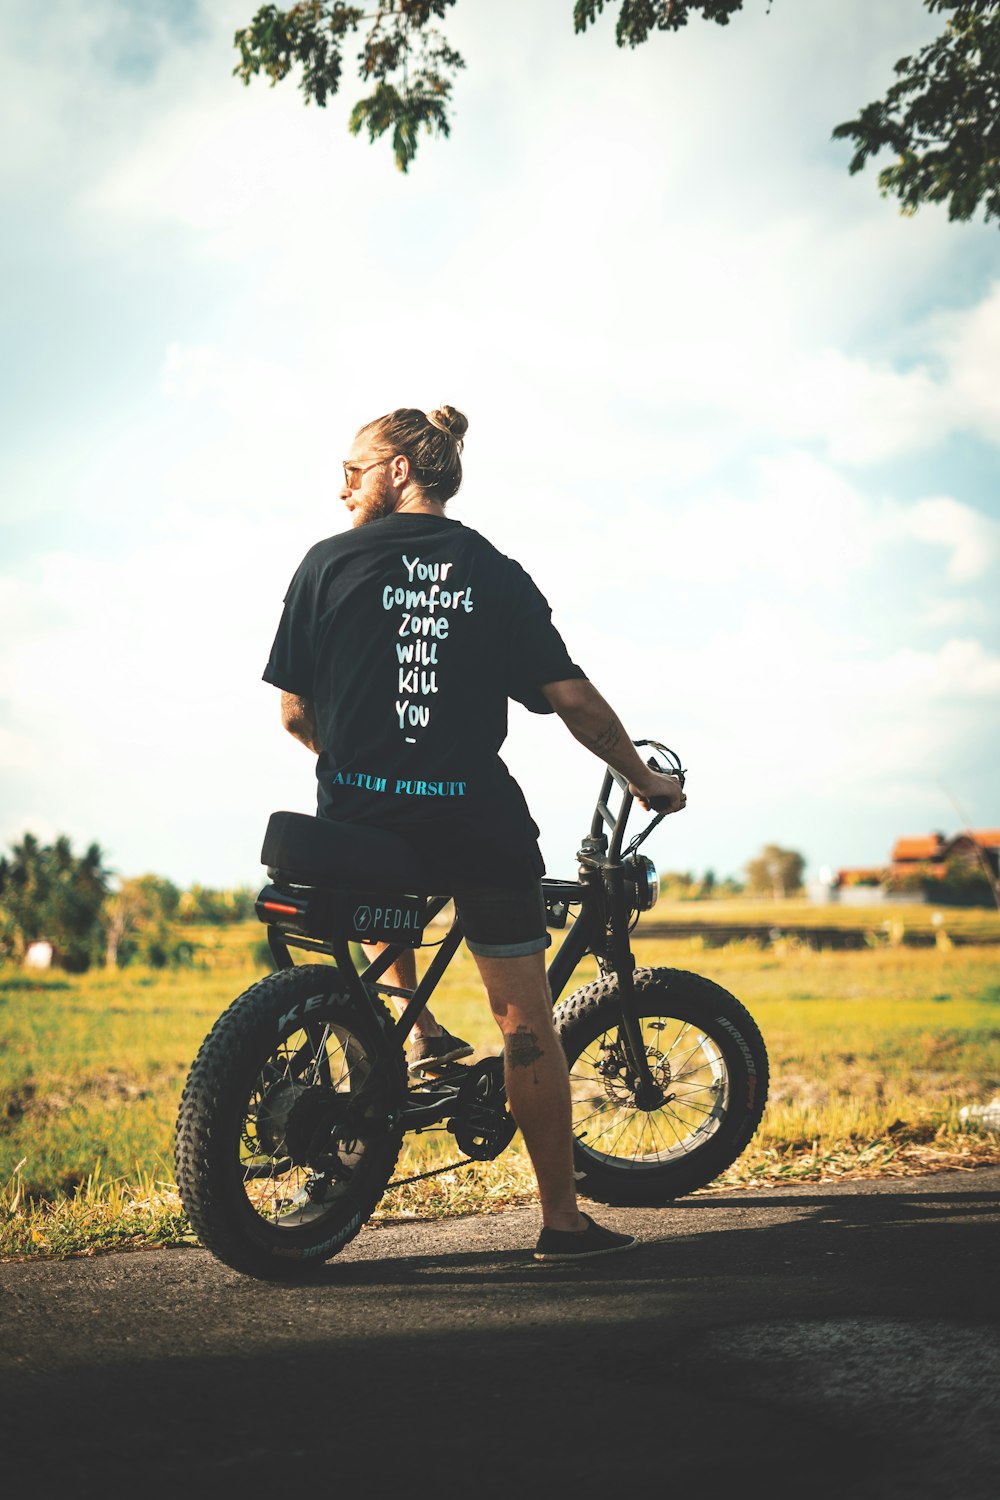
969 341
862 412
972 538
948 613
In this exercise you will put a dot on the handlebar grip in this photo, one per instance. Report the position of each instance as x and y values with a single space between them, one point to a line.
659 804
662 804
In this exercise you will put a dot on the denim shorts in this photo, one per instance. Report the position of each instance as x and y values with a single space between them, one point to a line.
502 922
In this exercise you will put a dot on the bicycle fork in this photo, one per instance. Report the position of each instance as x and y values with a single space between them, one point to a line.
621 959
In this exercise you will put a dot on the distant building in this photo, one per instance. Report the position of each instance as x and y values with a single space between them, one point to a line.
924 848
920 854
861 875
923 855
971 848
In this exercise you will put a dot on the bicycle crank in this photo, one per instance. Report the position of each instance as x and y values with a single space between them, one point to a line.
482 1124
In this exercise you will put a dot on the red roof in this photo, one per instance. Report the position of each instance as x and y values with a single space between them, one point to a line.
983 838
924 846
928 849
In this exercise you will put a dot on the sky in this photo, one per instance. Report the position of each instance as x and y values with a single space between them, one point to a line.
737 417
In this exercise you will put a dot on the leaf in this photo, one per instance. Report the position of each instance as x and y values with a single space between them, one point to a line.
941 118
407 60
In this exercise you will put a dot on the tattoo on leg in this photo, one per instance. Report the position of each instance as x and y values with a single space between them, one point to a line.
523 1050
608 738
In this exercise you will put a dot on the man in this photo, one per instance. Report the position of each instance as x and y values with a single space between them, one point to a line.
400 644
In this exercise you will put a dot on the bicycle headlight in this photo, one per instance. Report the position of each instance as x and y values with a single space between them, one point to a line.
645 882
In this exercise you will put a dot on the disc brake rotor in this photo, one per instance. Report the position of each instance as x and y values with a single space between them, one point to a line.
613 1070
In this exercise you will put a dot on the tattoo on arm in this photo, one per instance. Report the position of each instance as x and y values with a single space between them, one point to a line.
608 738
523 1050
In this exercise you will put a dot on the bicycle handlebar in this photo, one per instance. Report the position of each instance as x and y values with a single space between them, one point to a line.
673 766
616 822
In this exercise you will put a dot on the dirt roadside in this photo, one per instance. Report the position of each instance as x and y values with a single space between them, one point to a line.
820 1341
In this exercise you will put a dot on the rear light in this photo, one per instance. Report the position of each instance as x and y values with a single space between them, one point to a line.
279 909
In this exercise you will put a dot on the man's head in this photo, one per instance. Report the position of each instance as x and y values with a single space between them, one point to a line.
406 460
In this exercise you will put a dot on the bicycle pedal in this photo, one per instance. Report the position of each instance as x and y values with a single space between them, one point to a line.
434 1072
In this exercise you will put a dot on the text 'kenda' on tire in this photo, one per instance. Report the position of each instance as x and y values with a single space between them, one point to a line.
288 1133
709 1065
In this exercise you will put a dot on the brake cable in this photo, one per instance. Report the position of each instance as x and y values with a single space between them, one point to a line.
676 770
643 835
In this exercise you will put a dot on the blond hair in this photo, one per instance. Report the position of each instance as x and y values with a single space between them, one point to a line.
432 441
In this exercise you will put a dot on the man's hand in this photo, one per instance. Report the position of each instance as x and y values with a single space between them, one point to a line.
661 789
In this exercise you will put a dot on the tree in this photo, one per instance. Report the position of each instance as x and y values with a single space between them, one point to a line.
776 872
47 892
136 920
202 904
941 117
965 883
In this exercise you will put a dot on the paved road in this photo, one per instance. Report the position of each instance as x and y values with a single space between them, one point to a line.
832 1341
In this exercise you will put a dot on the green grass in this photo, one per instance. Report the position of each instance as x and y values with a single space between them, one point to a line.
873 1053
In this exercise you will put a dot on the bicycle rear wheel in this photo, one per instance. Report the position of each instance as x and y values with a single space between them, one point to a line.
709 1063
288 1129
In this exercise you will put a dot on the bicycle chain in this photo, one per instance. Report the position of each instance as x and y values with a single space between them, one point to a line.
465 1161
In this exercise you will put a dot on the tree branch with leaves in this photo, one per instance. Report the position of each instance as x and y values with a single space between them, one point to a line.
407 61
941 117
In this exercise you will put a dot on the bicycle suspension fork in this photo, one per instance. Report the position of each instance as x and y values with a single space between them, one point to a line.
618 949
615 955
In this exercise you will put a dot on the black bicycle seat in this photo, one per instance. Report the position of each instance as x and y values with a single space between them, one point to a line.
320 851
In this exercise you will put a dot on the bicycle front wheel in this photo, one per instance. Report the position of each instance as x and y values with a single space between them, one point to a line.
709 1065
288 1129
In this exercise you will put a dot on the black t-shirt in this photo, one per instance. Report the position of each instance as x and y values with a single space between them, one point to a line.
409 635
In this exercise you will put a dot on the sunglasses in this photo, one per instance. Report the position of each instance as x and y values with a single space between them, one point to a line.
353 473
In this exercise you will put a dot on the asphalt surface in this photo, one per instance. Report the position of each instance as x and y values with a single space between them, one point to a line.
839 1340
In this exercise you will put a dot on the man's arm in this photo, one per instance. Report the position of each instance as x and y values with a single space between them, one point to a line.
592 720
299 718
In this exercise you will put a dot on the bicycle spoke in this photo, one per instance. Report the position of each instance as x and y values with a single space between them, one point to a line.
686 1065
320 1058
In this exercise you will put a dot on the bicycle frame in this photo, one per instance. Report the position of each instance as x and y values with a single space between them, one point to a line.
300 1103
606 898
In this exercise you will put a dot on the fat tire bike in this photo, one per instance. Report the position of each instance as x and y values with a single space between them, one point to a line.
296 1106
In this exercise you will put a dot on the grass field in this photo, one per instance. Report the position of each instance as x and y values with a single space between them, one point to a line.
889 925
873 1054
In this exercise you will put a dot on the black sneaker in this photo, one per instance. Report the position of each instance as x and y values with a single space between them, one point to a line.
582 1244
432 1051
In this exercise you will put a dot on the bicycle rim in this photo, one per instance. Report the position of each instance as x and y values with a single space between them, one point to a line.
691 1073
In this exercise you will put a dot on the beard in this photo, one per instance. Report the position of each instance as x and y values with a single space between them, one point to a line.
378 502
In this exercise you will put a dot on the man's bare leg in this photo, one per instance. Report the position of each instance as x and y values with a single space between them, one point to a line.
537 1079
403 974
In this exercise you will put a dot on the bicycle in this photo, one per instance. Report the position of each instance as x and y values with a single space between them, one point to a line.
295 1108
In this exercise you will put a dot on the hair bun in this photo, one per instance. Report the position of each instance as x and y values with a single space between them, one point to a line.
454 422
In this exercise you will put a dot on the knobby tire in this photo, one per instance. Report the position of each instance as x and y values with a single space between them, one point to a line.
243 1187
707 1056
